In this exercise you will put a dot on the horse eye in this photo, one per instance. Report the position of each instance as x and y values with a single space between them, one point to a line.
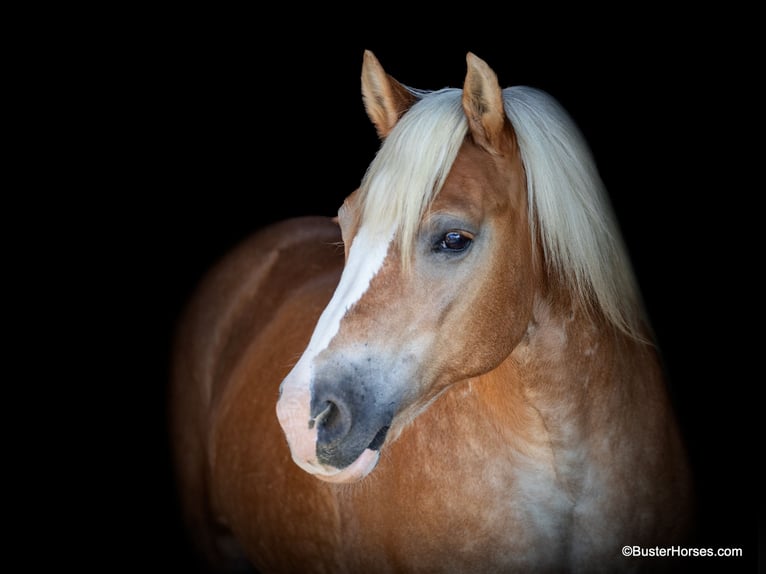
454 241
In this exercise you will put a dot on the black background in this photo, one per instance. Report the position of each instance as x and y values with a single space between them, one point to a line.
201 130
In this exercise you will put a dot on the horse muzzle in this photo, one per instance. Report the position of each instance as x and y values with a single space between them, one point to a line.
335 428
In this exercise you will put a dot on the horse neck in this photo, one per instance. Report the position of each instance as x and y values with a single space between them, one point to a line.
572 357
591 384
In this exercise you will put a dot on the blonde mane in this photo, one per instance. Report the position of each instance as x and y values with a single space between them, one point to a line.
569 208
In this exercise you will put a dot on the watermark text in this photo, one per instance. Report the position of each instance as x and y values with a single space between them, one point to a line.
679 551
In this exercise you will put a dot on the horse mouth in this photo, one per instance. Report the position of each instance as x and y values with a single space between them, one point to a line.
379 439
355 472
340 455
358 468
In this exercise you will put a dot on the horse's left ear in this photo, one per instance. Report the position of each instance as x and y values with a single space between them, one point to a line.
483 104
384 98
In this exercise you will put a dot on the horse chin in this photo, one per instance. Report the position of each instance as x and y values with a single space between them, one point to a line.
355 472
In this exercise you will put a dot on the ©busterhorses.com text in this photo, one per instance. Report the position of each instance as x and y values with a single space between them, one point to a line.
678 552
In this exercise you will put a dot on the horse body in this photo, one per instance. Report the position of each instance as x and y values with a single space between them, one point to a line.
450 402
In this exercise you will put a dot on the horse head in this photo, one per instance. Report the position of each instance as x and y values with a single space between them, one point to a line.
439 278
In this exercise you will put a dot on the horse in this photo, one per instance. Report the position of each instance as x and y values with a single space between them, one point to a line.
455 374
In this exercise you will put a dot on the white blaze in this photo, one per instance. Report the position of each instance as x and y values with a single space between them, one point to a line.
364 261
366 256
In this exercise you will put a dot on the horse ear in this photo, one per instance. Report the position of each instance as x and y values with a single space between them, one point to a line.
483 104
384 98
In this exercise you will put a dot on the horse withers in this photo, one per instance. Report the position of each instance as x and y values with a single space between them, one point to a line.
462 372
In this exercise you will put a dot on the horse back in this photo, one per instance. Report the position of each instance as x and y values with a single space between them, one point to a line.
242 331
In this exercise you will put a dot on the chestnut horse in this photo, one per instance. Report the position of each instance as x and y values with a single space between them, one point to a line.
470 387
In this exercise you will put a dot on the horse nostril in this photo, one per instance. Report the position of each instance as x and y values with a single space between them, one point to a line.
326 416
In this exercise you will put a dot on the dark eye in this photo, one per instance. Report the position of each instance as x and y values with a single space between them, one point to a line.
454 241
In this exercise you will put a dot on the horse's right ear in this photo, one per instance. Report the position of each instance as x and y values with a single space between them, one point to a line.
384 98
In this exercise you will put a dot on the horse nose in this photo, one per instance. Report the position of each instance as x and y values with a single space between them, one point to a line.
348 418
